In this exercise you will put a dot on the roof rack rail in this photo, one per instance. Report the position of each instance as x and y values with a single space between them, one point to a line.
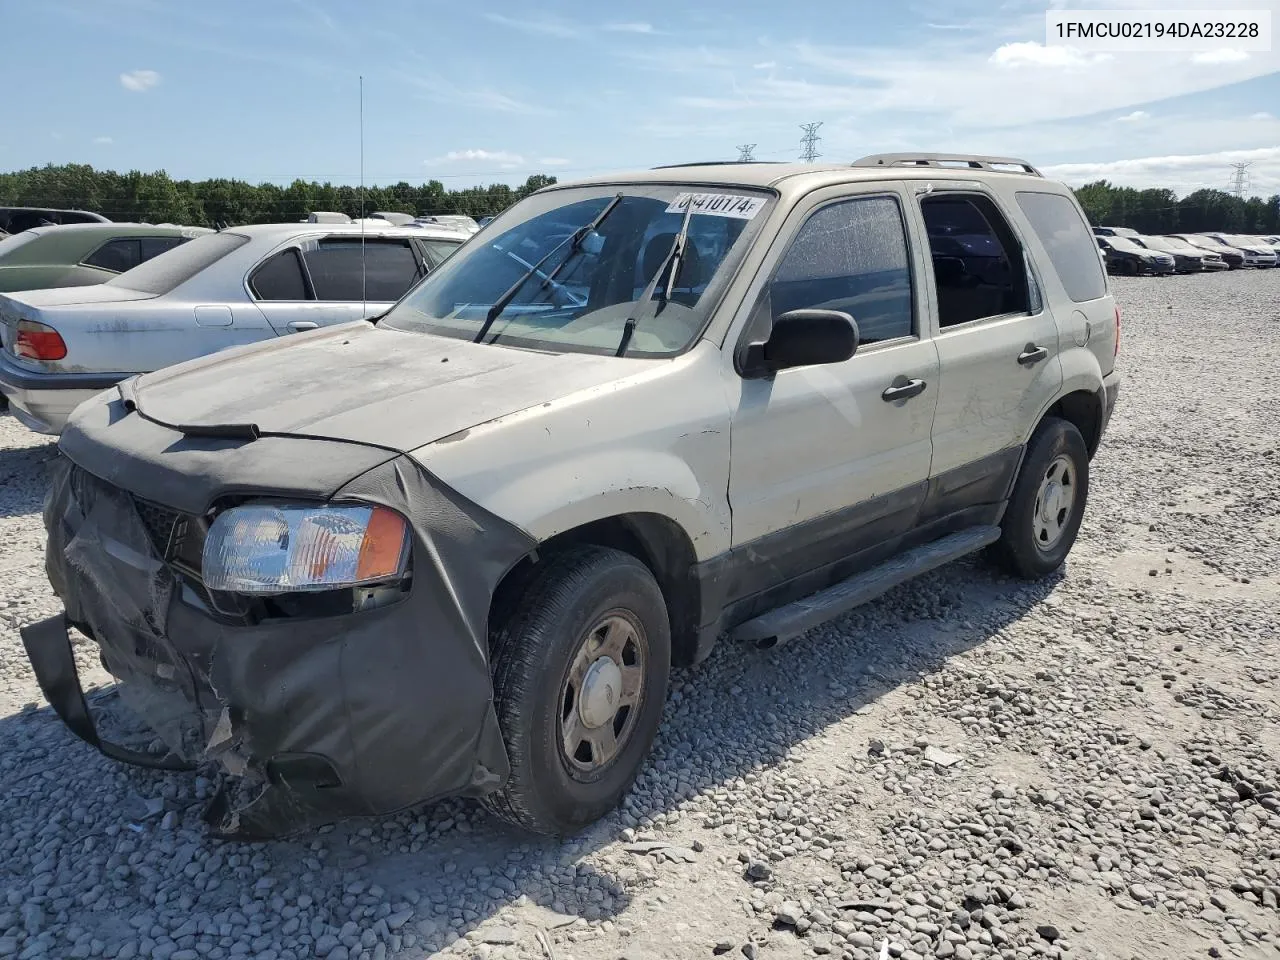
950 161
709 163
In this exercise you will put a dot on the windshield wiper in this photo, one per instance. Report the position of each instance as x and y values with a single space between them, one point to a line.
574 240
674 258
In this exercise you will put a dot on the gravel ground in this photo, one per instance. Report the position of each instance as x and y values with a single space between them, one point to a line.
970 767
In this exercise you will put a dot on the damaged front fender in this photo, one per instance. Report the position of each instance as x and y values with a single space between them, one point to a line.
308 719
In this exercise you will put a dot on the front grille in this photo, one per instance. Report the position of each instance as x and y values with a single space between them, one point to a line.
159 522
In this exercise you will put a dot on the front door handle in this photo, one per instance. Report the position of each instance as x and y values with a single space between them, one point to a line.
1031 354
297 326
903 389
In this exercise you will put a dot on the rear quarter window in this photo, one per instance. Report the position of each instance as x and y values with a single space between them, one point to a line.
1068 241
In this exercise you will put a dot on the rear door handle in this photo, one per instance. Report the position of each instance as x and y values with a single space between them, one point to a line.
1031 354
297 326
904 390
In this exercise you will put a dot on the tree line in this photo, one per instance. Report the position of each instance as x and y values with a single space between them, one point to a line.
1160 211
157 198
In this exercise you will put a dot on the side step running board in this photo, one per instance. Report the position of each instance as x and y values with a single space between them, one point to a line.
786 623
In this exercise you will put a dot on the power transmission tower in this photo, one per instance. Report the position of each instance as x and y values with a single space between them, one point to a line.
746 152
1240 179
809 142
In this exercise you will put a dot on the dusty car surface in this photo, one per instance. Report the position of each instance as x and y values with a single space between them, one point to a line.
61 346
79 255
459 550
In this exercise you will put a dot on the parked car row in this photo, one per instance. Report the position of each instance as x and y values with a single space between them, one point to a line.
208 291
1126 251
459 222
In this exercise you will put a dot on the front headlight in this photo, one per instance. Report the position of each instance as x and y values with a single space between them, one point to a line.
265 548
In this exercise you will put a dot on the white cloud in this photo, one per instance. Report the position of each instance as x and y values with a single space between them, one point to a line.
630 28
1225 55
553 162
1136 117
1028 53
139 81
502 159
1261 115
103 140
765 65
1182 172
549 28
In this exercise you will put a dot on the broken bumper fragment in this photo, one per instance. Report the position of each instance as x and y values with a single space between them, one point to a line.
309 715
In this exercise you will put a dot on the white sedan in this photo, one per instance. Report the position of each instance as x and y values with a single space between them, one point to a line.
59 347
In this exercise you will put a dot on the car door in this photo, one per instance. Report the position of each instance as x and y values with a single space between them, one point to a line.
831 461
336 279
997 343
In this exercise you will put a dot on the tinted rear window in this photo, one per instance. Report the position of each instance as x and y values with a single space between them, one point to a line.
1068 241
165 272
348 270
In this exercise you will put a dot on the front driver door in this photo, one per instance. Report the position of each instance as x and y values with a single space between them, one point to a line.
829 461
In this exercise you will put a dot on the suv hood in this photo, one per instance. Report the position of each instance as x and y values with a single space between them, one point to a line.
364 384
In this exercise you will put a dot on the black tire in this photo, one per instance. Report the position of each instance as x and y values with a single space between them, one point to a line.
532 653
1020 550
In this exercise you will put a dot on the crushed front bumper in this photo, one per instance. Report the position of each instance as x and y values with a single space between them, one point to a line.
306 719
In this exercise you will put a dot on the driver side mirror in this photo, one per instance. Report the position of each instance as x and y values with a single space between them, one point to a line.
802 338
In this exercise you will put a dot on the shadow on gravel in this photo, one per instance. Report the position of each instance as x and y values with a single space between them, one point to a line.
739 712
22 477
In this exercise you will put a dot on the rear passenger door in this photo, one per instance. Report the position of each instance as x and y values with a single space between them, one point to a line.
331 280
997 347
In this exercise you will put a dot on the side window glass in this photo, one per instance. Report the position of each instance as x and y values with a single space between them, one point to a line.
116 255
439 250
154 246
389 269
1065 235
280 278
851 256
978 264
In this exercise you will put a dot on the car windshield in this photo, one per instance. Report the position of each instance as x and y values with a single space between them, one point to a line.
162 274
581 296
1125 244
8 244
1156 243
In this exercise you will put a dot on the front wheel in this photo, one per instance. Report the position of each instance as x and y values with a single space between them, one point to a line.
1043 517
580 670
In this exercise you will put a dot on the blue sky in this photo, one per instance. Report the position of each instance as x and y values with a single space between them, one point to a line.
480 92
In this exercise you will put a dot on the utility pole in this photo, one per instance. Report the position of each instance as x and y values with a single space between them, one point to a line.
1240 179
745 152
809 142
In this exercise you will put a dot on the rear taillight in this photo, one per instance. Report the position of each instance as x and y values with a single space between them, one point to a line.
1116 352
38 341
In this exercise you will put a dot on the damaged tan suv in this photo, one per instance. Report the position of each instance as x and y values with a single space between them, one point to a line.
457 550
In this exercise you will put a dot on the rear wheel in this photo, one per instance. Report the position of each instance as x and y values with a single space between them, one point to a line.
580 669
1043 517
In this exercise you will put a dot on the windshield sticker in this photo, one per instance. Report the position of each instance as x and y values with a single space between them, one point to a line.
718 205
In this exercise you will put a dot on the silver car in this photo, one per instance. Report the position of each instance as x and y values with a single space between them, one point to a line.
60 346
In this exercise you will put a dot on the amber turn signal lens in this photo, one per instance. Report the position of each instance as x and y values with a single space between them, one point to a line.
385 540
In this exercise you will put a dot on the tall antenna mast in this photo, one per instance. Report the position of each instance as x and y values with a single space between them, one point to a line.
1240 179
809 142
364 297
746 152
